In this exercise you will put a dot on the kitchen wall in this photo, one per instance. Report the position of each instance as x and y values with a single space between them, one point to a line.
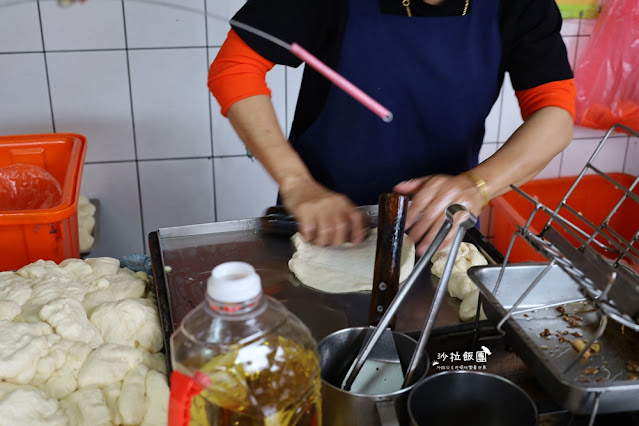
131 76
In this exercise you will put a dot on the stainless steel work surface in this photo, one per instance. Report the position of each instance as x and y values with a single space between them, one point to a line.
555 305
184 256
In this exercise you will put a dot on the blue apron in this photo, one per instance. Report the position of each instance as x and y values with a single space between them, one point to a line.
439 77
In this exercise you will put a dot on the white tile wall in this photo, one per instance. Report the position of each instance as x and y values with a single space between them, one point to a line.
510 117
487 149
90 25
571 49
24 99
492 121
20 27
553 169
218 15
632 157
293 81
131 76
170 103
115 185
608 159
176 192
570 27
90 95
169 23
242 188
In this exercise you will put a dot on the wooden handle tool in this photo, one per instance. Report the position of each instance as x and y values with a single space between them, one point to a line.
388 255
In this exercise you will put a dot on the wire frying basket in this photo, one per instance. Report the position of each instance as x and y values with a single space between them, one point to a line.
601 260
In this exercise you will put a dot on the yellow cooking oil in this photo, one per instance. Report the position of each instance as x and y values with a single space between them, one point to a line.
271 382
261 361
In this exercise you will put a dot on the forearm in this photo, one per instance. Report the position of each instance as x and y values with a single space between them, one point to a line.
254 120
324 217
538 140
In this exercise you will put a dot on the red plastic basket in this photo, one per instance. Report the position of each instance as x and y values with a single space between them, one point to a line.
594 198
50 234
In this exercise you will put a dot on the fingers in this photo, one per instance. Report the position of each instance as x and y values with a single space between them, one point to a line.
307 227
359 226
432 231
421 196
409 187
325 232
325 218
428 207
337 228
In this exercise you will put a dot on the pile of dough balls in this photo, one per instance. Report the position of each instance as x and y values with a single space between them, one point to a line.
86 223
460 285
80 345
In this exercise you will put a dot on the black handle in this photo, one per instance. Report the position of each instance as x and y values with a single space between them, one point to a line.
277 221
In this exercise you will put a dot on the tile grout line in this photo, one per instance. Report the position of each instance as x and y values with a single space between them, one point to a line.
625 155
208 62
561 162
501 108
574 61
113 49
46 68
286 117
135 139
577 43
147 160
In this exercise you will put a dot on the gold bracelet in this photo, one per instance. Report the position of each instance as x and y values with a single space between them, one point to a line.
481 185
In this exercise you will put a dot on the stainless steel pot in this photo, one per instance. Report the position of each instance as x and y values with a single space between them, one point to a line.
341 408
469 398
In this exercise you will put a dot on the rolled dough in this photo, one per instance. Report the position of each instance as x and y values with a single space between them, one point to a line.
346 268
459 284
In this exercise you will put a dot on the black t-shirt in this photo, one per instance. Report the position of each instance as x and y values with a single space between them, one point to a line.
439 72
533 52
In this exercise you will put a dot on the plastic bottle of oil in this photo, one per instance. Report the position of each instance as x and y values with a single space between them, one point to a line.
259 361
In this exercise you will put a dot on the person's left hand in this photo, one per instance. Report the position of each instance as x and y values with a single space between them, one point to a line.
430 196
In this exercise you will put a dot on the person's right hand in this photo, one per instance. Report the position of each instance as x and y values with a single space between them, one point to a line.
324 217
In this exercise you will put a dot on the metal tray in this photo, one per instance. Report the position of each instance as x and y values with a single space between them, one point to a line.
608 391
183 257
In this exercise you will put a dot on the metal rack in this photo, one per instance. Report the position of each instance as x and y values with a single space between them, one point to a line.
592 253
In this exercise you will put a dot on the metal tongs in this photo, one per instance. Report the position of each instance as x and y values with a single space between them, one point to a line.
412 278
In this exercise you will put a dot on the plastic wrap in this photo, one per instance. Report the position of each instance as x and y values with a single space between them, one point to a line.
28 187
137 262
607 74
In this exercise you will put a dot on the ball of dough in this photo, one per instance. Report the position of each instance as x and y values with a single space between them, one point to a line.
468 307
9 309
87 407
30 406
133 322
108 364
459 284
467 256
69 319
21 347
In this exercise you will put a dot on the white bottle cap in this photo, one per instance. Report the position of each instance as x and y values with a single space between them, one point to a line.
233 282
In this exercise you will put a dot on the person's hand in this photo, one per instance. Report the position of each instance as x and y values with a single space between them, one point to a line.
430 196
325 217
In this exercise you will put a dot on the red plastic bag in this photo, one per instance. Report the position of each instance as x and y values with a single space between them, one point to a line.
27 187
607 74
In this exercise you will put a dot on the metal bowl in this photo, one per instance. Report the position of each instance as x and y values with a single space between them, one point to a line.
470 398
344 408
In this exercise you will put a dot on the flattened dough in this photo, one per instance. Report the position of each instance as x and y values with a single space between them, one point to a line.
346 268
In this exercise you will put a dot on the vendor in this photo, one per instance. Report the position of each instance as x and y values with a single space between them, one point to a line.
438 65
